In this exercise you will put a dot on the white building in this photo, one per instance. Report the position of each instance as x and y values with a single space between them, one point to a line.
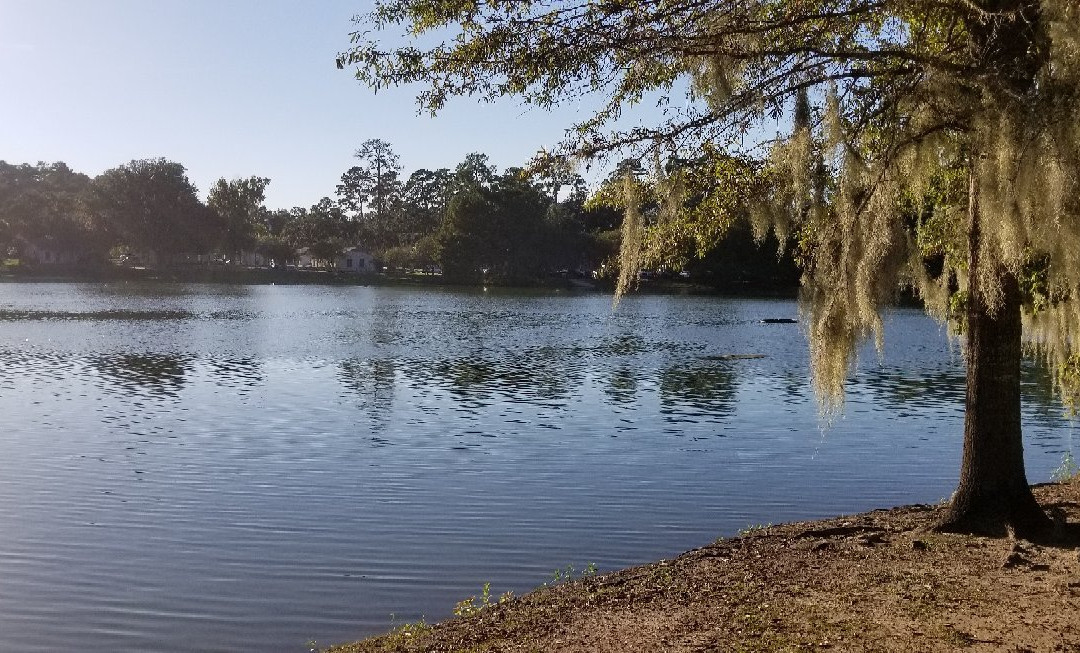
355 260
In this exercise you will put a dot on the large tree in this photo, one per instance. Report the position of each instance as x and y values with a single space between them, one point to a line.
496 231
928 142
240 203
151 205
42 205
370 188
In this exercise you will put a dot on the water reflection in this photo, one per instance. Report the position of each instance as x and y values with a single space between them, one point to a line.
622 385
899 389
703 391
536 376
239 374
105 314
154 373
373 382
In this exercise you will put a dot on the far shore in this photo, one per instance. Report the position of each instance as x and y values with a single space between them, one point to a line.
878 581
303 276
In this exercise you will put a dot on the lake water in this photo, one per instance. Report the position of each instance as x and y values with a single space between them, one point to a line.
217 468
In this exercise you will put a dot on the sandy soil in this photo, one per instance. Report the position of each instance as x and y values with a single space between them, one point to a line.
872 582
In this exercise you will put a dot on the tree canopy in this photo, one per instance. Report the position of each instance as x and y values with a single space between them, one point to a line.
932 143
43 205
150 204
239 203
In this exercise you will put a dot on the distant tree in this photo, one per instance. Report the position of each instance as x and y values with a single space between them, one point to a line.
323 229
150 205
353 191
467 240
371 191
43 205
274 222
475 171
240 204
274 248
498 228
374 183
425 197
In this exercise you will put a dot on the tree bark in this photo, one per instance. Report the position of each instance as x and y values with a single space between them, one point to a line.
993 496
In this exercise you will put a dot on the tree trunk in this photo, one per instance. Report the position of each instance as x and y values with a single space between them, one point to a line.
993 496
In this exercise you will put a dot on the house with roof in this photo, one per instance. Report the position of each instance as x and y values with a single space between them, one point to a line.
356 261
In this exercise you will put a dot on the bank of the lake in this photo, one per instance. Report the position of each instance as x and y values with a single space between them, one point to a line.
877 581
222 274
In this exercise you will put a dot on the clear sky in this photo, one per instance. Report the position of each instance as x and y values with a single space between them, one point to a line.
228 88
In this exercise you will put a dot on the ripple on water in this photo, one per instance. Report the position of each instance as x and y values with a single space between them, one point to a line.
215 468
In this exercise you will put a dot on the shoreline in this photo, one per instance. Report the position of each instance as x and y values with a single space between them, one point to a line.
877 581
292 276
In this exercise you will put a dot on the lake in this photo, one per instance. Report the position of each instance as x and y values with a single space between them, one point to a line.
216 468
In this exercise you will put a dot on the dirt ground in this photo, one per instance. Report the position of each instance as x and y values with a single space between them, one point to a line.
872 582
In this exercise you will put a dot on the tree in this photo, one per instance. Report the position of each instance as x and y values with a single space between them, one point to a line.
883 101
322 229
426 195
496 231
42 205
353 190
240 204
150 204
475 171
374 183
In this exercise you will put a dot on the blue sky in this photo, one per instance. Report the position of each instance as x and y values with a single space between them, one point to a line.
229 88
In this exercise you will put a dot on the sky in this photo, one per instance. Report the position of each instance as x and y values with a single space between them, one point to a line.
229 89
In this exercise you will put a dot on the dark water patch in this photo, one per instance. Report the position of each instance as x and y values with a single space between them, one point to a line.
118 314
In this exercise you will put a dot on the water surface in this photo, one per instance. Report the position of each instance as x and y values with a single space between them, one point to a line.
214 468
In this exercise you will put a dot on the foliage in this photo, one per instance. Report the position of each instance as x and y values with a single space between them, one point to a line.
569 573
240 204
43 206
323 230
406 633
751 529
275 248
148 210
373 184
470 606
503 228
1068 469
151 205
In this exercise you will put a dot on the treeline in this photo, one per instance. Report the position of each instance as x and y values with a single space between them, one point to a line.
472 223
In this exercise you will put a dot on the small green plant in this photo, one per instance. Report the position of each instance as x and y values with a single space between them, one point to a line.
470 606
753 528
1067 470
406 632
563 575
567 574
473 605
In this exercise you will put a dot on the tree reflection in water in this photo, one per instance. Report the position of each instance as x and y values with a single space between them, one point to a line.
372 381
162 374
704 391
